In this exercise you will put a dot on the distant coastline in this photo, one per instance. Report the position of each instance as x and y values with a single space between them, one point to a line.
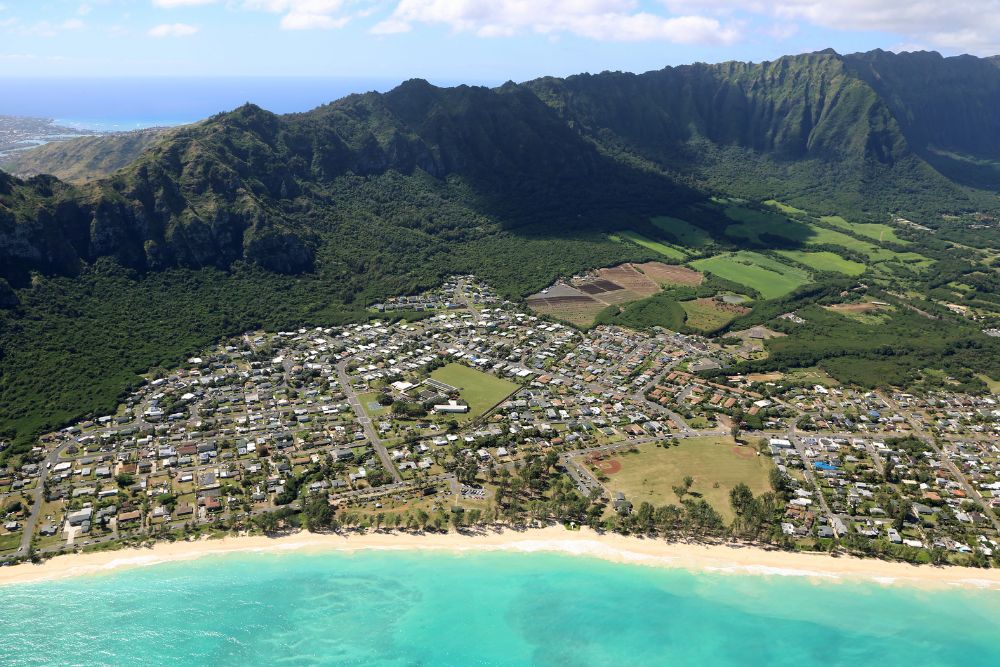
730 559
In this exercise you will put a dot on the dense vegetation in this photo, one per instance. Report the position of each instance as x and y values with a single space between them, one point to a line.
250 219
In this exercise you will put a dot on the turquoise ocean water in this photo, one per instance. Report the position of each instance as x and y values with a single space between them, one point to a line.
419 608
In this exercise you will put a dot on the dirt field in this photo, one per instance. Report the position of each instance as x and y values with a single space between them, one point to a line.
631 279
668 274
580 310
586 296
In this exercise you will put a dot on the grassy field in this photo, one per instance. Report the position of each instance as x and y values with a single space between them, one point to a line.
784 208
683 231
874 231
716 464
655 246
770 278
824 261
751 224
708 315
10 542
480 390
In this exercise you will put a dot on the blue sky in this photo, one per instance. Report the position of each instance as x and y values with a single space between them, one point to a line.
470 40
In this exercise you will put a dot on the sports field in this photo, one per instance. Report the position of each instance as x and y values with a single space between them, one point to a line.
769 277
480 390
655 246
824 261
717 464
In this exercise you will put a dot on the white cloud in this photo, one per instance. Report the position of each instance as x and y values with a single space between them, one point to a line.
965 25
305 14
172 4
605 20
173 30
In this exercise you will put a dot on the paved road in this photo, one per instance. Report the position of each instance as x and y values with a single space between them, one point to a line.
37 496
366 422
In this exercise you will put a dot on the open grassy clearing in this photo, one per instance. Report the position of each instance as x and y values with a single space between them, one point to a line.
824 261
878 232
717 464
480 390
770 278
709 315
784 208
661 248
756 226
682 231
994 385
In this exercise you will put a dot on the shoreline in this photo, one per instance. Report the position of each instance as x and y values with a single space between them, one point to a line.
726 559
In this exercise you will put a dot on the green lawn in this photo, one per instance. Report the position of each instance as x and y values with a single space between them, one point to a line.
10 541
683 231
712 462
655 246
875 231
824 261
480 390
770 278
367 400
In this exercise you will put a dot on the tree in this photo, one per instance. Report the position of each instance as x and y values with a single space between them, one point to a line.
318 513
124 480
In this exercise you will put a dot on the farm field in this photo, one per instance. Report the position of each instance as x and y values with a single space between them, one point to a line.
480 390
656 246
824 261
717 464
709 315
753 225
671 274
683 231
770 278
872 230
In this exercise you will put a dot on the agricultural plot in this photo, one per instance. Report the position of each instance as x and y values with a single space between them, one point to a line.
580 302
757 226
716 464
682 231
671 274
878 232
480 390
667 251
824 261
770 278
631 280
567 303
710 315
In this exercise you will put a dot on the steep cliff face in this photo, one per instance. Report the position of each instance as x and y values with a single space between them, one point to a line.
864 135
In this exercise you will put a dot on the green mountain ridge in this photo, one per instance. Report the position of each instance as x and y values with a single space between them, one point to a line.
252 220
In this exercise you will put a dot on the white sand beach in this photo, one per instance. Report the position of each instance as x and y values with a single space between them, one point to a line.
725 559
